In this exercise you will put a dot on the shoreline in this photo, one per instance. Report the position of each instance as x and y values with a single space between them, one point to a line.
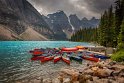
104 72
78 72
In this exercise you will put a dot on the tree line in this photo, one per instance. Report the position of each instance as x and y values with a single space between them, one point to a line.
85 35
110 32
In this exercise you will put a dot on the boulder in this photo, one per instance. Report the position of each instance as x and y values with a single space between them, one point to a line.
111 78
40 79
88 81
115 73
89 72
76 82
66 80
121 74
97 81
118 73
104 81
112 63
83 78
36 81
94 68
112 81
109 72
95 78
60 78
101 64
120 80
48 80
102 73
122 70
118 66
70 73
112 68
56 80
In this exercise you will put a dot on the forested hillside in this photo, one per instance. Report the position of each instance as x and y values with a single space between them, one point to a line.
86 35
110 32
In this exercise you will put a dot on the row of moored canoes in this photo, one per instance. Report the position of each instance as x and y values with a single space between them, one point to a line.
49 58
64 54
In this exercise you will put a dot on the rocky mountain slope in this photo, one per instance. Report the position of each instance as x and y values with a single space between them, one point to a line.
18 15
21 21
64 26
31 34
7 34
59 23
83 23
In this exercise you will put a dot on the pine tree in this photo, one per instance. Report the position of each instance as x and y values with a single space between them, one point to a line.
121 37
111 27
103 29
119 15
106 30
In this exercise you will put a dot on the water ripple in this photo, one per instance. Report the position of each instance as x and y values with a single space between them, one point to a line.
15 61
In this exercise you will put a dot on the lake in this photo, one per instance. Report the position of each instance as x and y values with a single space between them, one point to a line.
15 63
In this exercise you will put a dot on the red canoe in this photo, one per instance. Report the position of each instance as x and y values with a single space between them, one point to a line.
66 60
70 49
91 55
45 59
57 58
37 58
90 58
37 53
31 51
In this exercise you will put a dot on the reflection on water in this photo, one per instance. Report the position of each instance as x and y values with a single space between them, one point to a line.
15 61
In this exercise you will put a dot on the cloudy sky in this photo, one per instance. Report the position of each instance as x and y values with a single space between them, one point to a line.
82 8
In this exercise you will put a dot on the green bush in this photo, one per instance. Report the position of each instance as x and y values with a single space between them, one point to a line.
118 56
120 46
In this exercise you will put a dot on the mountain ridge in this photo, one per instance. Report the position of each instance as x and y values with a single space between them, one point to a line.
19 15
84 22
59 22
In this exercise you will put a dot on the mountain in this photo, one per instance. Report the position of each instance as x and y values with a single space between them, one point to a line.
19 20
94 21
75 21
64 26
59 23
84 23
19 16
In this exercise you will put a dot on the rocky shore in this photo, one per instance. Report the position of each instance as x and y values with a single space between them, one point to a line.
101 72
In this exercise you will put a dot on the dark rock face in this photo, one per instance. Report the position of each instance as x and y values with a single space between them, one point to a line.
18 14
75 21
84 23
9 17
59 23
94 22
23 10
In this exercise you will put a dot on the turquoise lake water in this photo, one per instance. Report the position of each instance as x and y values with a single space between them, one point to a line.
15 61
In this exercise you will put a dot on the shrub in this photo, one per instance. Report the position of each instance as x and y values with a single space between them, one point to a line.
118 56
120 46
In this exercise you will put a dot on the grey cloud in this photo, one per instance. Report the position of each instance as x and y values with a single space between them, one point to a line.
98 5
82 8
